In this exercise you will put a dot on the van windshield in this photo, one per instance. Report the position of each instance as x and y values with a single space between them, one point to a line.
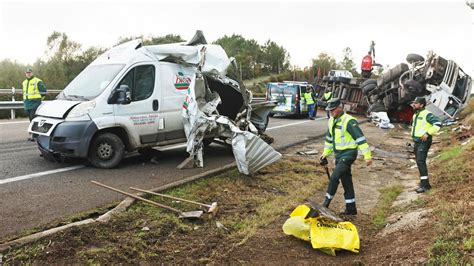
91 82
282 88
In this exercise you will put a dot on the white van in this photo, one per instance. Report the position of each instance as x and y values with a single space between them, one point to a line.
131 98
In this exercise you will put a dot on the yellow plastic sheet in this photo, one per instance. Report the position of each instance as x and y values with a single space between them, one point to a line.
324 235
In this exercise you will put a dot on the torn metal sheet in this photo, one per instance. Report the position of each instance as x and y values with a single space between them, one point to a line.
218 107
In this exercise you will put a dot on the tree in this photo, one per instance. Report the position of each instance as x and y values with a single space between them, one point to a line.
325 63
348 62
274 58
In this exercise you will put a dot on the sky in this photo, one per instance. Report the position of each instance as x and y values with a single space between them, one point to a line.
303 28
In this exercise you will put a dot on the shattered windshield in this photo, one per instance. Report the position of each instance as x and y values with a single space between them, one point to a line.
91 82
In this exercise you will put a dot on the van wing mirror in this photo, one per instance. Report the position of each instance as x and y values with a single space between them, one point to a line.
120 95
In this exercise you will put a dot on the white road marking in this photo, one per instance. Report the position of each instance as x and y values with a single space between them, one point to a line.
24 177
16 122
296 123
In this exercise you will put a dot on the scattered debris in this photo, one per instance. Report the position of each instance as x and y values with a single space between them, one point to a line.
221 226
307 152
212 207
190 214
146 228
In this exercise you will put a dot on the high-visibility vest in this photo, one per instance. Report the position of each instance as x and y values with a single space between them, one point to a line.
327 96
30 89
420 126
309 99
341 138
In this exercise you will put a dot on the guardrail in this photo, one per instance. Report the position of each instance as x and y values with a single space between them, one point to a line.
13 104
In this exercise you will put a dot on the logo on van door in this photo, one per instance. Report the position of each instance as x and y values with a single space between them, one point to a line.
182 81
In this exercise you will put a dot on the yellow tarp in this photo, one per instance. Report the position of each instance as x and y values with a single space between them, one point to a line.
325 235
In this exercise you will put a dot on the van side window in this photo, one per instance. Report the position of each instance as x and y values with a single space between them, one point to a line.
141 81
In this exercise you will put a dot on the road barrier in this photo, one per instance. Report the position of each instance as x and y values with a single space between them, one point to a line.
13 104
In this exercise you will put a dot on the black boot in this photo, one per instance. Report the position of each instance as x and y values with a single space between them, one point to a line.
350 209
424 186
326 202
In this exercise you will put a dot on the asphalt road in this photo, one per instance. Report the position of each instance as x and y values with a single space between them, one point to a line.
34 192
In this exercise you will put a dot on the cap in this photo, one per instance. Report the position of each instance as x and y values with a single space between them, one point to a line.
28 70
333 103
421 100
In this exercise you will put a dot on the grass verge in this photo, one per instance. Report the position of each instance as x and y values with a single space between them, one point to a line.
145 233
383 209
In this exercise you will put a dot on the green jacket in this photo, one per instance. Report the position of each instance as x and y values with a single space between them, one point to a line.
424 122
355 132
32 104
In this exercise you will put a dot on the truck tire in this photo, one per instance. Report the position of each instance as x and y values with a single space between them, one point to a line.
414 58
107 151
368 88
392 74
367 82
413 86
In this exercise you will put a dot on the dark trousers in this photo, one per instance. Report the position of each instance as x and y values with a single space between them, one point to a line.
311 111
342 172
421 153
31 113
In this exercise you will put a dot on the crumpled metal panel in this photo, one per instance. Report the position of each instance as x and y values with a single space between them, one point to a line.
252 153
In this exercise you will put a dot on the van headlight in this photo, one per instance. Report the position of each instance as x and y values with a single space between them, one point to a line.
81 111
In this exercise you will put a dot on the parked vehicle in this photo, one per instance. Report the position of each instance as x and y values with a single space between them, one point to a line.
445 85
289 97
132 98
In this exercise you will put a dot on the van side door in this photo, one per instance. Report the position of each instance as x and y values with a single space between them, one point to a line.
140 117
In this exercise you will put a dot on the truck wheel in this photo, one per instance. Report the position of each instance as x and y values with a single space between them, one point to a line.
414 58
367 82
106 151
368 88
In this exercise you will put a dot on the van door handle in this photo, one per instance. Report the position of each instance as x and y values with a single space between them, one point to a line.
155 105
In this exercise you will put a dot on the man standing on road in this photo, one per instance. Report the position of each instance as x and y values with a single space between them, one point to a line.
343 138
308 96
34 91
424 125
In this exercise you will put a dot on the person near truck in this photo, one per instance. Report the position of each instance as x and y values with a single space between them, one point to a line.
308 96
343 138
327 96
424 125
34 91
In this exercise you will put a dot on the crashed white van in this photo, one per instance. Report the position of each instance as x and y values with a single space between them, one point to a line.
135 97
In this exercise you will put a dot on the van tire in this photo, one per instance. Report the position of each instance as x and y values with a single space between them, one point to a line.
107 151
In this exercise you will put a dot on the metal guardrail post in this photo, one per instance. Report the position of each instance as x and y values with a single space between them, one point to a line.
13 99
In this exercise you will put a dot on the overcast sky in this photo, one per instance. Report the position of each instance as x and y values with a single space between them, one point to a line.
304 28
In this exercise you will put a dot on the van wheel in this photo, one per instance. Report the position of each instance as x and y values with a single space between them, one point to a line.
107 151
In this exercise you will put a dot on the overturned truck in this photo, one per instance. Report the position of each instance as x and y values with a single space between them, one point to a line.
134 97
444 84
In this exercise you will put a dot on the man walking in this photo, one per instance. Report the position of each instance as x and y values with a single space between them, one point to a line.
34 91
343 138
423 126
308 96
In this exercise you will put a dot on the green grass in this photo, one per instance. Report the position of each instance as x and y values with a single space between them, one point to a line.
450 153
383 209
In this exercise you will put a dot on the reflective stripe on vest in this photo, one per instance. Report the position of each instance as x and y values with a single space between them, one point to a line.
419 125
308 98
30 89
327 96
342 139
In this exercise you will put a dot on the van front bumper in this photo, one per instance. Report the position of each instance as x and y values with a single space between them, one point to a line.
70 139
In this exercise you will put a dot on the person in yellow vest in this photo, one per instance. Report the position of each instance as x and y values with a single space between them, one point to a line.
343 138
327 96
424 125
34 91
308 97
